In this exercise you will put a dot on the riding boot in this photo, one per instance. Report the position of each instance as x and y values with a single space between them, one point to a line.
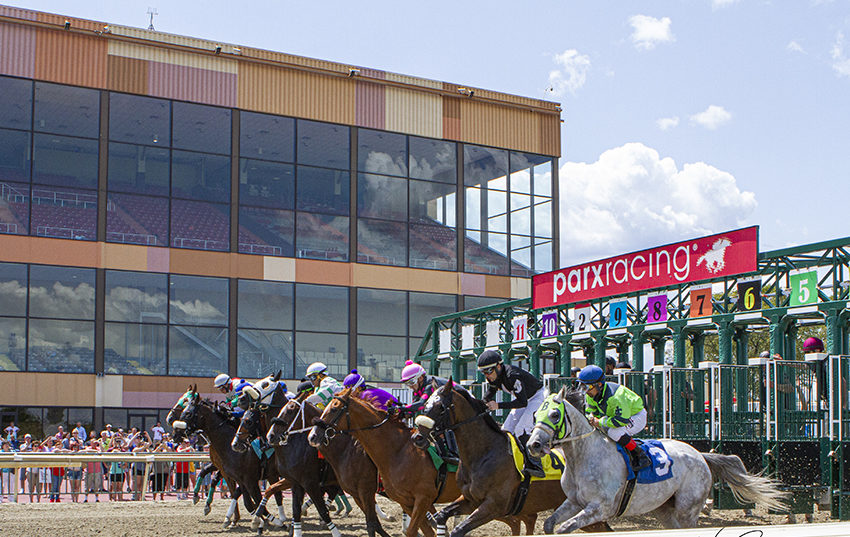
449 448
533 466
637 456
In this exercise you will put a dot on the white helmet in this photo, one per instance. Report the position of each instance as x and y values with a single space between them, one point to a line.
315 368
222 380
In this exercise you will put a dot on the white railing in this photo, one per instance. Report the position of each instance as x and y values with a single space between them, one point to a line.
61 232
202 244
134 238
256 248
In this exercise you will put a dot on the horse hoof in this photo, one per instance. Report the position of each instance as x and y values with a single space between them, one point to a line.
207 510
276 522
255 523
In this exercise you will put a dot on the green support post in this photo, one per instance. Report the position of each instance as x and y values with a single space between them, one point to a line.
791 340
623 351
698 346
680 337
833 329
637 347
457 368
534 358
742 340
657 343
566 355
724 339
599 347
776 330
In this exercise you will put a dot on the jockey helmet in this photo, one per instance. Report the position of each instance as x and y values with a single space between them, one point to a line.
316 368
222 381
353 380
488 360
813 344
411 372
591 374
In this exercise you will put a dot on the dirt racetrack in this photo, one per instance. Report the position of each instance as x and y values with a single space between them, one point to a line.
182 519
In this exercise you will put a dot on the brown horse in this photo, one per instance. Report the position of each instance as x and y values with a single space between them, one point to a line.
487 475
407 472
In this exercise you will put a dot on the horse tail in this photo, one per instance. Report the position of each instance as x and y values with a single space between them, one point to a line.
746 487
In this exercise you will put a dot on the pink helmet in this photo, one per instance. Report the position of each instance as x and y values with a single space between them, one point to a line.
813 344
411 371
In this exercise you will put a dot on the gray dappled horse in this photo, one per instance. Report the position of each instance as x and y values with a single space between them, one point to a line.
595 476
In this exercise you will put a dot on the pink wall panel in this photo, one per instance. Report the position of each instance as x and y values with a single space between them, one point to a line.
17 50
192 84
370 105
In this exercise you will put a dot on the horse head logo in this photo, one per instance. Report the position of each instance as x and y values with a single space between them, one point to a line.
715 259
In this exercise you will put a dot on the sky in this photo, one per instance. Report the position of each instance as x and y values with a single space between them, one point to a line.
681 118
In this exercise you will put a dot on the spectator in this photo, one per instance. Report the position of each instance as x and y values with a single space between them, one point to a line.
181 471
74 475
12 433
57 474
141 446
610 364
159 475
28 475
116 472
94 472
624 365
7 477
81 432
157 432
107 430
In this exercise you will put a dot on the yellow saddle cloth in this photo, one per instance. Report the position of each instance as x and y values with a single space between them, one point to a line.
553 463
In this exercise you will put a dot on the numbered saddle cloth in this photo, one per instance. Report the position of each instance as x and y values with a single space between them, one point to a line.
662 464
438 461
553 463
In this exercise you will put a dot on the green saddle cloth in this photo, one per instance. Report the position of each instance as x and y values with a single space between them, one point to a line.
438 461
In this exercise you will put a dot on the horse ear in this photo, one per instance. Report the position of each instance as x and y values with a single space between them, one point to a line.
279 373
451 382
195 389
562 393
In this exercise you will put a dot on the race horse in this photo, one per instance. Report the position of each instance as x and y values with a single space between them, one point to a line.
219 426
296 462
595 478
408 474
355 471
487 475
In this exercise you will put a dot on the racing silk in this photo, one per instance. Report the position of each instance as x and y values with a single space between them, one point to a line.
233 398
614 406
517 382
381 399
328 387
420 396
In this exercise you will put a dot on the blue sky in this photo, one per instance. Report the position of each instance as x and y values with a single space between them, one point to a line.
681 118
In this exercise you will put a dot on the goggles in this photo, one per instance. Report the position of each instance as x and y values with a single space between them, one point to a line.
487 370
411 383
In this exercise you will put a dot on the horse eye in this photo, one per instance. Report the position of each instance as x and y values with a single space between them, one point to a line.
554 415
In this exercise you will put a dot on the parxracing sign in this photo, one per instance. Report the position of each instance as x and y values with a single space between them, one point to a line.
715 256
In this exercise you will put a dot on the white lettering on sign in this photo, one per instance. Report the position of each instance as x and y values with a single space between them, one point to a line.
520 326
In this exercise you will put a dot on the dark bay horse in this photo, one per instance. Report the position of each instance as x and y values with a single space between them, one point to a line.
219 427
407 472
355 471
299 464
487 475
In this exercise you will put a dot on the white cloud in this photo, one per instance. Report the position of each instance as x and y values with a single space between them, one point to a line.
712 117
719 4
840 63
666 123
649 31
793 46
631 198
571 73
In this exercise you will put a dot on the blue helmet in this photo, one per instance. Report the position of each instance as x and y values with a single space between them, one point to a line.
591 374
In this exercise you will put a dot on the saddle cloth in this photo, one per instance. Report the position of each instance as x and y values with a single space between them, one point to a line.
553 463
261 453
662 464
438 461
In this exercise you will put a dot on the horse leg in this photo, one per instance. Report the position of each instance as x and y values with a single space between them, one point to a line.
483 514
281 512
317 495
589 515
297 500
457 507
233 508
211 493
564 511
382 515
257 520
417 518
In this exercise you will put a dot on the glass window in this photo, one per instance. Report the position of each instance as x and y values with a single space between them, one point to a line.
61 346
380 196
261 352
64 213
139 169
521 260
14 156
432 203
265 304
543 256
137 220
321 237
543 178
381 312
14 208
134 349
136 297
330 349
321 308
433 247
198 300
521 220
61 292
13 344
485 253
66 110
381 358
117 417
381 152
64 161
381 243
323 144
200 225
485 167
16 105
473 302
434 160
266 231
13 289
198 127
543 219
426 306
29 420
266 184
323 191
266 137
139 120
197 351
200 177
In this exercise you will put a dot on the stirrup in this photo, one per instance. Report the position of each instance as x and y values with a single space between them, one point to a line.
532 468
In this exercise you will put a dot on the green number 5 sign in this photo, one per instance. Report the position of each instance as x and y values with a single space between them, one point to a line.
804 288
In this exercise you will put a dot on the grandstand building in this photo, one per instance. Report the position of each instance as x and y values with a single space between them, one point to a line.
172 208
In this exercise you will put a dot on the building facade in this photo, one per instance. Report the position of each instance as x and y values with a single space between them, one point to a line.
173 208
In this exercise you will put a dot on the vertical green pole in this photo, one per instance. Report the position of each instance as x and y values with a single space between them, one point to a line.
742 340
776 332
833 331
566 356
791 340
637 347
599 347
534 358
457 369
680 337
623 351
724 340
698 345
658 343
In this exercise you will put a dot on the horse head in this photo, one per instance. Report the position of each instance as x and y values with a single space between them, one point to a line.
294 414
558 420
436 416
248 429
188 422
177 409
324 427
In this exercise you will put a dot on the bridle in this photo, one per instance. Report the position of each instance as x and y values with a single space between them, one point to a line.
277 420
330 428
560 433
446 420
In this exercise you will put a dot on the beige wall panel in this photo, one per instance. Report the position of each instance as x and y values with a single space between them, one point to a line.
550 135
47 389
76 24
129 75
183 41
280 269
248 266
413 112
269 55
520 288
18 13
69 58
17 249
322 272
499 286
208 62
200 263
402 278
490 124
123 257
414 81
146 383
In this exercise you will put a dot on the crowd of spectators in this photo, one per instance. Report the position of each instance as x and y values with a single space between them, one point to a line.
97 480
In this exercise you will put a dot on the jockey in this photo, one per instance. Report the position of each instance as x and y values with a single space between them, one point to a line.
232 390
617 409
813 344
379 398
423 385
325 386
528 395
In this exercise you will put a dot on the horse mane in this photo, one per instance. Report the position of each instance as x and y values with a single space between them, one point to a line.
480 407
367 403
574 396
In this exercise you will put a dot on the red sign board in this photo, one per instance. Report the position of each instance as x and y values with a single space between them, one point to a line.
715 256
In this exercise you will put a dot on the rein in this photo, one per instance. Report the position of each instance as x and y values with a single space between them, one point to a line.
330 427
566 439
